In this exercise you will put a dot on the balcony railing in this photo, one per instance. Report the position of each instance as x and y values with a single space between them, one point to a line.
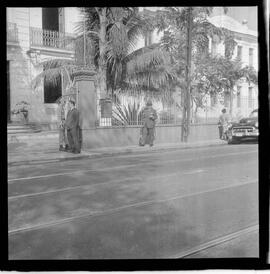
12 33
51 39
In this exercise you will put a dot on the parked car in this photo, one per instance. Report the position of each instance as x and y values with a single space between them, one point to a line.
245 129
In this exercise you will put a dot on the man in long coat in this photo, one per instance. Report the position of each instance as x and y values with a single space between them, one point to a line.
63 143
148 129
72 126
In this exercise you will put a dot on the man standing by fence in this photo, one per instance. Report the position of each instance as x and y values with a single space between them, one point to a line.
149 123
72 125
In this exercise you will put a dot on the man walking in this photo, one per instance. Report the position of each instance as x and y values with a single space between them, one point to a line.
72 125
148 129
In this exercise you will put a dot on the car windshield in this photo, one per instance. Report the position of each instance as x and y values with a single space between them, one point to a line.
254 114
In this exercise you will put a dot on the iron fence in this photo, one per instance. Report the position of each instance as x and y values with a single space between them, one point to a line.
129 112
52 39
12 33
170 113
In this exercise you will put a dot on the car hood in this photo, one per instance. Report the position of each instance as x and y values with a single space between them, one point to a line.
246 122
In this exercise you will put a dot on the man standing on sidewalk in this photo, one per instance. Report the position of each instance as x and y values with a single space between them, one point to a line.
72 126
63 143
148 130
224 119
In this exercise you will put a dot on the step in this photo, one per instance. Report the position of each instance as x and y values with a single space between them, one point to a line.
21 127
19 131
18 126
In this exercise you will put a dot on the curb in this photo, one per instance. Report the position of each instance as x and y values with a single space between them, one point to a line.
93 155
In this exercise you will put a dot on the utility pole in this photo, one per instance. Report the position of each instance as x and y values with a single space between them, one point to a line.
186 108
231 102
84 43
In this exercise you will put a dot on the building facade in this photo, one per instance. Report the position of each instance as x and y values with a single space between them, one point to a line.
245 95
35 35
242 21
38 34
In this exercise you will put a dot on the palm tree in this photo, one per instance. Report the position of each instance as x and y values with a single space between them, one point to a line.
110 37
119 66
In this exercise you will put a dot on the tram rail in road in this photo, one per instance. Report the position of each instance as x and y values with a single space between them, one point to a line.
215 242
114 210
198 194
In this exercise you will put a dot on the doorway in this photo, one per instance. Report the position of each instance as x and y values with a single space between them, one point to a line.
53 19
52 90
50 19
53 25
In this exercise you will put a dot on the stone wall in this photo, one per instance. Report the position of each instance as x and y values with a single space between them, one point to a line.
129 136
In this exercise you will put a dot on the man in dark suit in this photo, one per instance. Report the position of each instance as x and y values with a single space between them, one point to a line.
148 130
72 126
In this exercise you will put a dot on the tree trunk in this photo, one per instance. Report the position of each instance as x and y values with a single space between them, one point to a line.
102 68
195 113
186 109
231 102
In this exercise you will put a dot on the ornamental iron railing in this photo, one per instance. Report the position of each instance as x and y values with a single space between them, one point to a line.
51 39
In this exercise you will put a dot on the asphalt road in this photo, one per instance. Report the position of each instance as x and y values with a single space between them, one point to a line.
156 205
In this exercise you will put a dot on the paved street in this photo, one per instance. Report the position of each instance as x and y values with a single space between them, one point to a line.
165 204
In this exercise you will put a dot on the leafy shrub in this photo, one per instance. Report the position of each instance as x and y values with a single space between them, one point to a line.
130 114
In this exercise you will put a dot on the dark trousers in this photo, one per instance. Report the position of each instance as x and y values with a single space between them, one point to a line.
220 128
73 139
80 137
62 137
148 135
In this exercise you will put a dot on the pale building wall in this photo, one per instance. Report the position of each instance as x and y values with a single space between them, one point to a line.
36 17
231 24
23 68
155 36
72 17
19 61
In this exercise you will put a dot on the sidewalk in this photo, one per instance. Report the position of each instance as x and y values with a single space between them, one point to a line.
43 148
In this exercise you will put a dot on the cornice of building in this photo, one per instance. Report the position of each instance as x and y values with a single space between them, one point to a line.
231 24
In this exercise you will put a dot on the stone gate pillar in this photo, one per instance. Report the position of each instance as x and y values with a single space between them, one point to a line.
86 98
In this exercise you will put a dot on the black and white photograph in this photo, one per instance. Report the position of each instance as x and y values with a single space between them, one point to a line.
132 132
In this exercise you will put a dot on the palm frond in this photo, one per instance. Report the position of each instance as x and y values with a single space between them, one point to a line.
53 69
54 63
147 60
51 75
140 51
129 114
